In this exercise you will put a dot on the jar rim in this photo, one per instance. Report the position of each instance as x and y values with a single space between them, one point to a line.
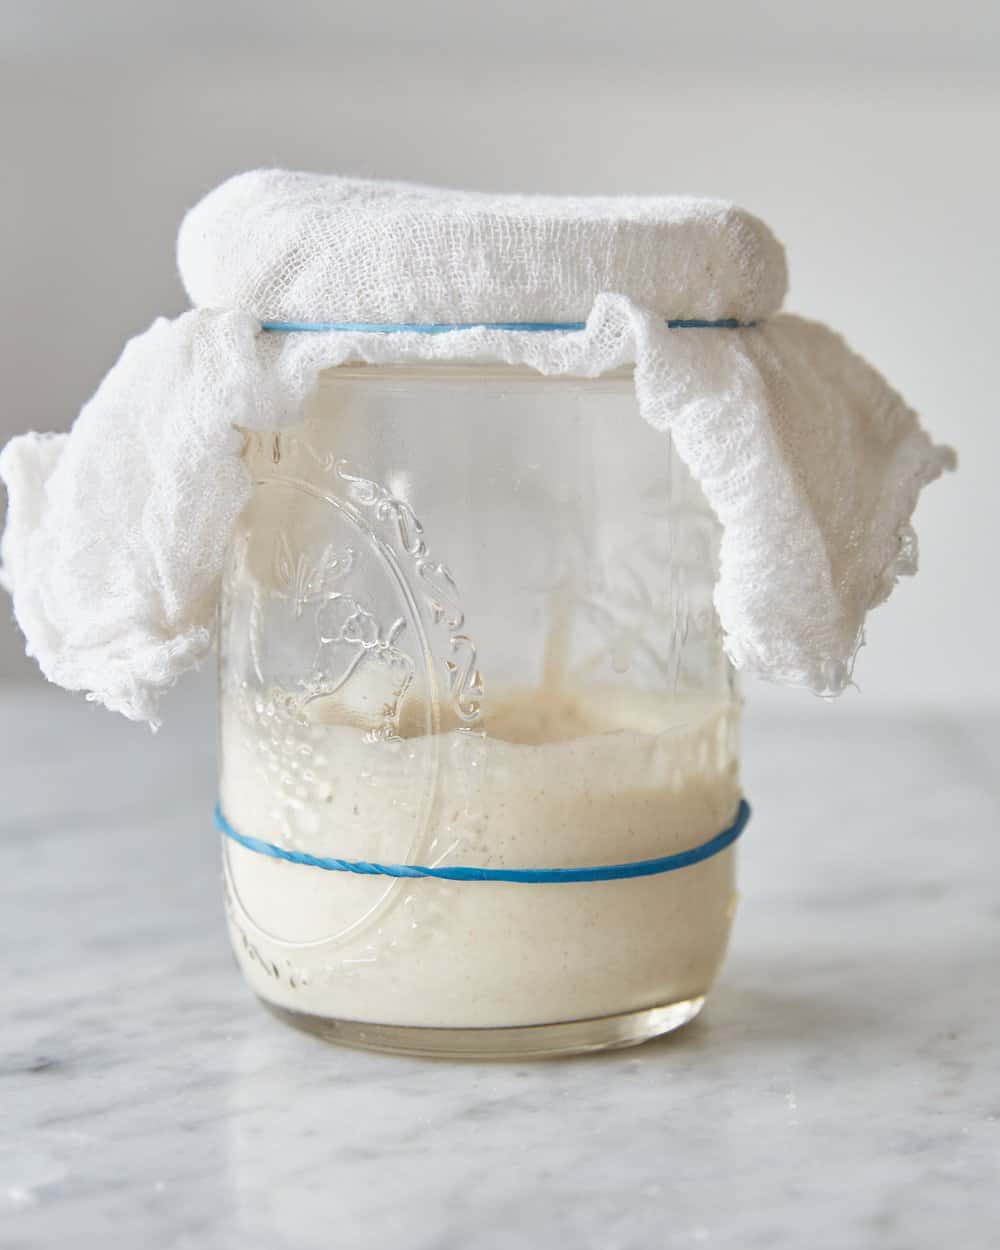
466 371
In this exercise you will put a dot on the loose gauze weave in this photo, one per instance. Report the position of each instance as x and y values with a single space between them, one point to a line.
116 532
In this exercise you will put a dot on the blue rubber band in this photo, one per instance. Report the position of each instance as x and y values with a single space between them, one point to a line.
531 876
533 327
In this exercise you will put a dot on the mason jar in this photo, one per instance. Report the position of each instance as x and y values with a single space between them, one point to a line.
467 623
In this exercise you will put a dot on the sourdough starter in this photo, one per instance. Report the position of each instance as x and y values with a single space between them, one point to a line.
548 779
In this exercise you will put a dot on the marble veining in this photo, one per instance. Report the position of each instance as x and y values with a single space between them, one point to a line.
841 1090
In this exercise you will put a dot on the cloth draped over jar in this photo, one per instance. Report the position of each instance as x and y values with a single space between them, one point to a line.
116 532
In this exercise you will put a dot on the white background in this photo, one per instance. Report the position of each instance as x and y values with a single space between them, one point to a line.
867 135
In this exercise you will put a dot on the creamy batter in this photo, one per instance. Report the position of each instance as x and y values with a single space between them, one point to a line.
550 778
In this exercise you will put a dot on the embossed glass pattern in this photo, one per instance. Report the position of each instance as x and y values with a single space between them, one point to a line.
467 619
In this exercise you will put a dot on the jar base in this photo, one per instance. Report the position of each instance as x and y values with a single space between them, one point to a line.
536 1041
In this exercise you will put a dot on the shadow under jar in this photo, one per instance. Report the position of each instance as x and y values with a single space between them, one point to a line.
467 620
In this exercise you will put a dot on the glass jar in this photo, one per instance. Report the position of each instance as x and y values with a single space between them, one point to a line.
467 620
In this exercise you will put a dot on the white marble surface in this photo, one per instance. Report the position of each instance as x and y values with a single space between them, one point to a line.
841 1090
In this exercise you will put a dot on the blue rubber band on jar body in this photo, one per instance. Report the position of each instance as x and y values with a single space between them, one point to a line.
529 876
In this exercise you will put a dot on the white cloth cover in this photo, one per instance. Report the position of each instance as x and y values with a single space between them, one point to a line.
116 532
